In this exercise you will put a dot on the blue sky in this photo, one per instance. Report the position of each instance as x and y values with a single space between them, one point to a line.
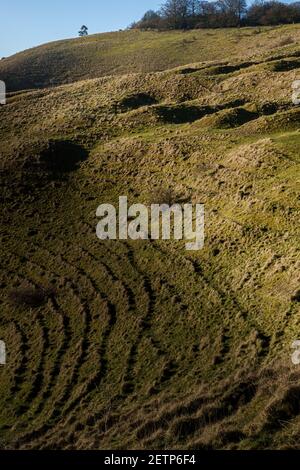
28 23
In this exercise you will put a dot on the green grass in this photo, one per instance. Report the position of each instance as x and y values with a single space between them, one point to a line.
134 51
144 345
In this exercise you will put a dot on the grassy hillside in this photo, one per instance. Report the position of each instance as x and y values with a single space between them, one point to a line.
134 51
116 344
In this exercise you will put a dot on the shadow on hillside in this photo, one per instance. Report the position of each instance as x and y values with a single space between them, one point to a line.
37 164
285 65
181 114
137 101
227 68
184 113
61 157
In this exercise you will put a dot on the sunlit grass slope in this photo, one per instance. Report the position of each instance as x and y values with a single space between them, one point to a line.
135 51
123 344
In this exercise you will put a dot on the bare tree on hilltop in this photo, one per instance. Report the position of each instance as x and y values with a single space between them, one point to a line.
233 11
188 14
176 13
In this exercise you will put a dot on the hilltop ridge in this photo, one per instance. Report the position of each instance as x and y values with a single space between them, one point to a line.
132 51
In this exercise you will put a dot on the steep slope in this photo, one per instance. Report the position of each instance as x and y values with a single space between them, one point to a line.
133 51
126 344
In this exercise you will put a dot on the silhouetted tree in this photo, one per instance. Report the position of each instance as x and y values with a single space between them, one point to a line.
187 14
209 16
272 13
150 20
232 11
83 31
175 13
194 7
